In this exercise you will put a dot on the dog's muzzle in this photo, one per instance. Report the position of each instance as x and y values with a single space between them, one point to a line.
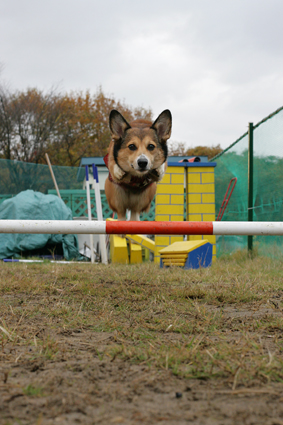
142 163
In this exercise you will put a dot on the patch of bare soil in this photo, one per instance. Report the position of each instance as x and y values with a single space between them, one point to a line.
141 345
80 388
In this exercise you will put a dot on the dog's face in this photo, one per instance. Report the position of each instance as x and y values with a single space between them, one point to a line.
140 146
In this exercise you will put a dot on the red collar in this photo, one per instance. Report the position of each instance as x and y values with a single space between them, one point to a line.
137 183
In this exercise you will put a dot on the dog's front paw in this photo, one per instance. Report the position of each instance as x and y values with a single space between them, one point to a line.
118 174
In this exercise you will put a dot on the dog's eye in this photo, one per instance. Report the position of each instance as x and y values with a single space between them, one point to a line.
132 147
150 147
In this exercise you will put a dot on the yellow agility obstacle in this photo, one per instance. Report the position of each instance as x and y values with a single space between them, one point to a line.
187 254
197 179
119 250
191 180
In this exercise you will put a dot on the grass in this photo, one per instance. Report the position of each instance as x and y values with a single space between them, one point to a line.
222 322
33 391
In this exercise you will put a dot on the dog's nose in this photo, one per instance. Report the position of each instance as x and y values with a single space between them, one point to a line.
142 163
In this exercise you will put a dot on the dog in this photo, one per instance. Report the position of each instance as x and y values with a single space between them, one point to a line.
136 161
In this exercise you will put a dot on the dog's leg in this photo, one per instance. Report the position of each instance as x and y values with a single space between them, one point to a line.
135 216
121 217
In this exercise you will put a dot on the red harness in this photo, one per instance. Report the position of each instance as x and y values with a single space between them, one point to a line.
138 184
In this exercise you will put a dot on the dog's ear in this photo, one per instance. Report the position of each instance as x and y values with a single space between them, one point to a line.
118 125
163 125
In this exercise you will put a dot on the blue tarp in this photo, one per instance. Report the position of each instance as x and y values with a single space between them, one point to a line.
30 205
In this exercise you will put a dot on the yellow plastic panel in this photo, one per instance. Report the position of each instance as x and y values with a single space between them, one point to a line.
207 177
201 208
208 198
176 239
177 199
169 209
194 188
161 217
208 217
174 264
200 170
194 217
174 256
194 198
176 218
193 178
165 179
118 250
143 241
135 253
177 178
162 240
181 247
175 170
175 189
162 199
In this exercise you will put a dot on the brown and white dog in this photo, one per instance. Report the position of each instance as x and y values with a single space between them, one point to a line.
136 160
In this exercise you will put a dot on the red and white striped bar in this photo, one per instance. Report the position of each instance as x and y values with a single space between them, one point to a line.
142 227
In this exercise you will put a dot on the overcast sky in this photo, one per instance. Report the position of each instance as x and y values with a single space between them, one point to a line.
216 64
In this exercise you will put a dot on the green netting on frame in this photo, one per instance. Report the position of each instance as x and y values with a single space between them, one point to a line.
268 178
17 176
77 202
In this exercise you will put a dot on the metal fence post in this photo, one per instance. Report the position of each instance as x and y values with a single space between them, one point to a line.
250 182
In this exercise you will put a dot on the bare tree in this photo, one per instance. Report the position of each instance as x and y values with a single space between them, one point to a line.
34 116
6 125
67 126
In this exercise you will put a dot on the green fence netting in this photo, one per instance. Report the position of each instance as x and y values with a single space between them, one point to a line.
268 177
17 176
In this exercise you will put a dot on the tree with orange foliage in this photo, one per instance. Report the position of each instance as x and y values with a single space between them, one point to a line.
179 149
83 128
67 126
209 151
27 119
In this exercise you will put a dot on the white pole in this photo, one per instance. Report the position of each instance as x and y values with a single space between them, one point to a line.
53 227
248 228
89 211
102 239
142 227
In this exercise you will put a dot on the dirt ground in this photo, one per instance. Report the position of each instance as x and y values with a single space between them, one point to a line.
61 377
78 388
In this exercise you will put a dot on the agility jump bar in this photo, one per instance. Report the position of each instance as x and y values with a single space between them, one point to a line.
142 227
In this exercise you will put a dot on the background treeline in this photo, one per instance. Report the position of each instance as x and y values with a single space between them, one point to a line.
66 126
179 148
